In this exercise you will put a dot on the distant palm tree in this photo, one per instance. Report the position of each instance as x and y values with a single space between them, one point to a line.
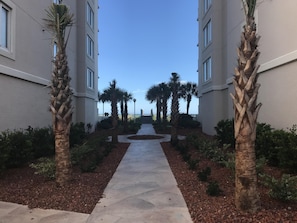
121 100
103 98
58 19
246 113
134 100
114 110
154 94
165 95
113 94
127 97
188 90
174 85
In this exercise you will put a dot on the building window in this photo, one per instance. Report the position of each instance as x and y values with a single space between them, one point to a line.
90 16
207 4
7 29
207 69
55 50
90 78
4 26
207 34
90 47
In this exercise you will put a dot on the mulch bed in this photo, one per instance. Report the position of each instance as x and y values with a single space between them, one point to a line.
205 208
22 186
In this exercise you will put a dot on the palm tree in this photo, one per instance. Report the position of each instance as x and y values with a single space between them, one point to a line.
58 19
121 100
153 94
114 94
188 90
103 98
134 100
246 113
127 97
174 85
165 95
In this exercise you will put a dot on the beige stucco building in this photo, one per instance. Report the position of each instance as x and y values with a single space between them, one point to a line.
26 52
220 24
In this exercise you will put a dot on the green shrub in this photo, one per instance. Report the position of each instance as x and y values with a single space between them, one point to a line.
213 189
187 121
281 142
77 134
210 149
186 157
79 152
182 148
204 174
260 164
107 150
4 150
105 123
84 156
89 127
90 154
229 162
43 142
284 189
225 132
263 142
192 163
45 167
287 157
133 126
19 145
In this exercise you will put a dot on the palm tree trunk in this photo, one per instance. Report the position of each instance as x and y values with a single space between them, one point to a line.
165 108
62 155
61 108
126 116
246 194
188 104
246 113
158 110
114 118
174 118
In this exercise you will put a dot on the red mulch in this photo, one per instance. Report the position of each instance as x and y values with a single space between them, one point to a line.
22 186
205 208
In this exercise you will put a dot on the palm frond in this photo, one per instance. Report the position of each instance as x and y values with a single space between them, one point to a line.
58 18
249 7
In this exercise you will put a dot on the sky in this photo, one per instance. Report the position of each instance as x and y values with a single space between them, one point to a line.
141 42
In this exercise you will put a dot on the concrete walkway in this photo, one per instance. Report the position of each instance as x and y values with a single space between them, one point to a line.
142 190
16 213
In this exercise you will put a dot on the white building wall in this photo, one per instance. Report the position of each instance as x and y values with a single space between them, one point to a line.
278 47
25 73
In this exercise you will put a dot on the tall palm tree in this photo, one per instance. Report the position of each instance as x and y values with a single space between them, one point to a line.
121 100
58 19
246 113
103 98
165 95
127 97
188 90
153 94
114 94
174 85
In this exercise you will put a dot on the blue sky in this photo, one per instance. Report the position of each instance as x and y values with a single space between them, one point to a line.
141 42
